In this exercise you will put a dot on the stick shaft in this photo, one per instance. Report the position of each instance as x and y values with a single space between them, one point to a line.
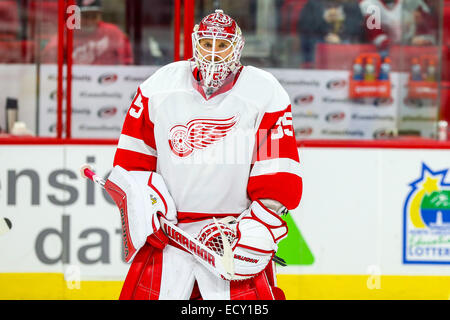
86 172
207 257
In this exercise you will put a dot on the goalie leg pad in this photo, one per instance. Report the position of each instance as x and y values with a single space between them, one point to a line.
143 279
261 287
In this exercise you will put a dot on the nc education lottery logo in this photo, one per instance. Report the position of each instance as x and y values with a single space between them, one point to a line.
426 223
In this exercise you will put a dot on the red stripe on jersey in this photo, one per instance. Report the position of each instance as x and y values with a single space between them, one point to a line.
275 137
275 140
282 186
134 161
137 121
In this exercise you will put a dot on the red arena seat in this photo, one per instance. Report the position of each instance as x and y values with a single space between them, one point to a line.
43 18
16 51
339 56
9 20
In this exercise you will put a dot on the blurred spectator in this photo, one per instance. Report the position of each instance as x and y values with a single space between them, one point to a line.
330 21
426 24
400 22
96 42
289 15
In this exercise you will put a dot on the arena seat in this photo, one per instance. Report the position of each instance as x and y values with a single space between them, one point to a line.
445 75
43 19
339 56
444 113
17 51
401 56
13 50
446 42
9 20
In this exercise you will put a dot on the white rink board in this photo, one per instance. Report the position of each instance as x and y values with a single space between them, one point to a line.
351 214
91 224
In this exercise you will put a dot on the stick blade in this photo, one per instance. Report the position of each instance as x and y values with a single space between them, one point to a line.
227 258
5 225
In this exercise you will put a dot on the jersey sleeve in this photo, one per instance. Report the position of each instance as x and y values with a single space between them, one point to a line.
136 149
275 170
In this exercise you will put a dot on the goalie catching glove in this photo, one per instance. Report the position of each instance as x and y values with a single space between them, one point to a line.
142 196
258 233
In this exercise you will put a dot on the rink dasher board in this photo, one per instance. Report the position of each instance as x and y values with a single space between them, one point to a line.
354 214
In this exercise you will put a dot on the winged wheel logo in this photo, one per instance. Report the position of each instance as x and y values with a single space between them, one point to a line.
198 134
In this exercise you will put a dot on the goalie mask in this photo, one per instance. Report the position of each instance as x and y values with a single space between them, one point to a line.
217 44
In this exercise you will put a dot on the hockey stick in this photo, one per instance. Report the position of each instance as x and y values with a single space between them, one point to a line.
5 225
222 265
217 264
227 251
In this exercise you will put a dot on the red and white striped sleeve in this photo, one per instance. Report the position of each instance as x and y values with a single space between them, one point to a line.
275 172
136 150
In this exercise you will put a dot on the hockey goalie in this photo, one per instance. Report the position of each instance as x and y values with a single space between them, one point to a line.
208 145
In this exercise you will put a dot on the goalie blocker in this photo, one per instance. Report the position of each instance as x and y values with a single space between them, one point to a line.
142 197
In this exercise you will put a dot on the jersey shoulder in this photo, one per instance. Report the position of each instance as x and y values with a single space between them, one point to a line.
174 76
263 89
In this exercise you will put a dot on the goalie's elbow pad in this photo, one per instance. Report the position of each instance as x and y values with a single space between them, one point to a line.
258 234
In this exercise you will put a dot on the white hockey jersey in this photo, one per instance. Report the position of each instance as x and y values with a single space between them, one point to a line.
216 155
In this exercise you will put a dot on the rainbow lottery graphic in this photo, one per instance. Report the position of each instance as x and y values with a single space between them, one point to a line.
426 226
